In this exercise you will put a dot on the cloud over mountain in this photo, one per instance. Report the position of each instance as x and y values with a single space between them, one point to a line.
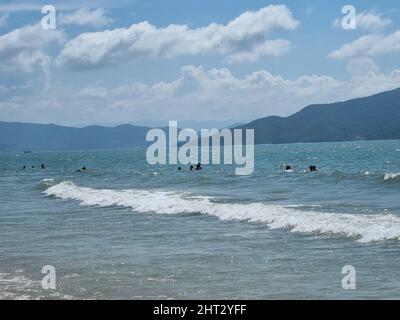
197 94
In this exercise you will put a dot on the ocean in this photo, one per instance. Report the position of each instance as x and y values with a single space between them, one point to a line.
128 230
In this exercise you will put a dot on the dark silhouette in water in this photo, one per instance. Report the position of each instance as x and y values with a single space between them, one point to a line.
198 166
32 167
288 168
83 169
191 168
42 166
24 167
179 168
313 168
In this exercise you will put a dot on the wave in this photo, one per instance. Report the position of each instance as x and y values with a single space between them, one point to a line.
392 176
364 228
380 176
45 184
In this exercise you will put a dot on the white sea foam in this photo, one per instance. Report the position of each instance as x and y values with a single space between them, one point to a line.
47 182
365 228
17 286
390 176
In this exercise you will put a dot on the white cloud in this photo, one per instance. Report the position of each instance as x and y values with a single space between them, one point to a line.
243 38
197 94
4 19
85 17
371 21
368 21
268 48
370 45
22 49
361 66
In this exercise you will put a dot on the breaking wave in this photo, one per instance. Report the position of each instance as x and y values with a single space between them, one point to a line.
392 176
363 227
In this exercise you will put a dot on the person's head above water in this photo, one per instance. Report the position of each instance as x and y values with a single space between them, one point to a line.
191 168
313 168
288 168
179 168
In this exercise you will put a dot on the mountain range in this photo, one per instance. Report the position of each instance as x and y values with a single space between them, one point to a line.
50 137
376 117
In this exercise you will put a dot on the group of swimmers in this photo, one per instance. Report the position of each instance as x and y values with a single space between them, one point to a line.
42 166
311 168
198 167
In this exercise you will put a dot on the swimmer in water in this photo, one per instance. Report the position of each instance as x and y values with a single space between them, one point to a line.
42 166
83 169
24 167
191 168
179 168
313 168
198 167
289 169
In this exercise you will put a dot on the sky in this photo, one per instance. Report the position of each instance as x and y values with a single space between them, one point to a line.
225 61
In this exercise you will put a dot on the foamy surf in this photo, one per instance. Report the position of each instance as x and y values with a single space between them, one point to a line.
364 228
392 176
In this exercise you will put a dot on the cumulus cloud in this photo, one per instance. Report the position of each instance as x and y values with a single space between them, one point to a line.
368 21
22 48
197 94
243 38
85 17
370 45
371 21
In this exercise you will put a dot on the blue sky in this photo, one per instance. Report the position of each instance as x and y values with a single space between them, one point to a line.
228 61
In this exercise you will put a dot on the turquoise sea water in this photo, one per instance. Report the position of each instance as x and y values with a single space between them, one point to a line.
129 230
